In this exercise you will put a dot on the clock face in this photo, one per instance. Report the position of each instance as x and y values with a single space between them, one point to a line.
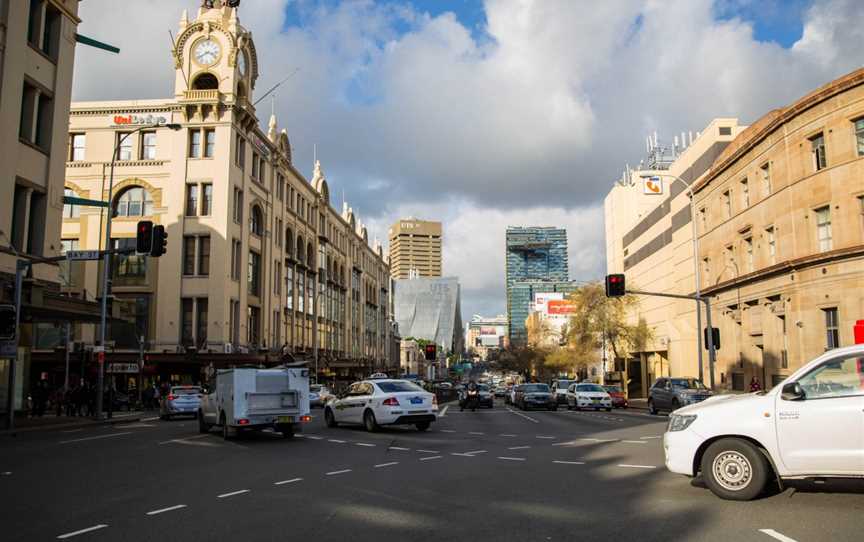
241 63
207 52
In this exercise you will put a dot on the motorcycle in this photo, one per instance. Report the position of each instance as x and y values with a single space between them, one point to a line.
472 399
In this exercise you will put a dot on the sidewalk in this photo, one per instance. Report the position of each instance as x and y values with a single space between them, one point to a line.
51 422
640 404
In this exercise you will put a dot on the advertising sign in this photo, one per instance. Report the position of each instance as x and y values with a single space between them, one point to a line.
489 331
653 186
560 306
139 120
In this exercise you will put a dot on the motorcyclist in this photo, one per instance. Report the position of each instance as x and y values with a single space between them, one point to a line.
472 396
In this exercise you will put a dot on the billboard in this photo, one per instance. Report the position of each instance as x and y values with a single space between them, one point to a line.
652 186
489 331
560 306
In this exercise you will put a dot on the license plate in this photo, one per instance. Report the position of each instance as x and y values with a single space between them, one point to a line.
416 400
596 400
285 419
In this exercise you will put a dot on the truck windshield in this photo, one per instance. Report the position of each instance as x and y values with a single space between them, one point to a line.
688 384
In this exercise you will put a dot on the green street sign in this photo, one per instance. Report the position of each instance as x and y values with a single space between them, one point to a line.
71 200
84 40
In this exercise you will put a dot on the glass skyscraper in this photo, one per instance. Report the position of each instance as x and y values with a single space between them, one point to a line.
534 254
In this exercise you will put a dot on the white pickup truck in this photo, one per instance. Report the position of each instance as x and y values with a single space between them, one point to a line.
245 399
810 426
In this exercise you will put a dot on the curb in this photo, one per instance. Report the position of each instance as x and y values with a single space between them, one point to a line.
55 426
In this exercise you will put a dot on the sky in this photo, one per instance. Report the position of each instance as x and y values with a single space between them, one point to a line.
484 114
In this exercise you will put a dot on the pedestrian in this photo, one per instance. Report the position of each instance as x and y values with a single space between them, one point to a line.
157 394
755 385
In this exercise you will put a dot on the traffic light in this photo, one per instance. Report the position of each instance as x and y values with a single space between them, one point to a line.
160 241
431 350
715 337
7 322
615 285
144 237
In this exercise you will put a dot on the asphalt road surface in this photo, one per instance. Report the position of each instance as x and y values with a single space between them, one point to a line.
499 474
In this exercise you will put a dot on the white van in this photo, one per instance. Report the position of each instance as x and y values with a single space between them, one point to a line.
809 426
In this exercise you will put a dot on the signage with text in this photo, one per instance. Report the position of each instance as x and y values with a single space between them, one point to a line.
139 120
652 186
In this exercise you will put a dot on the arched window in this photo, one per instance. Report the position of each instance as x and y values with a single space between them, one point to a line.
134 201
70 210
301 249
289 242
241 90
256 221
310 256
205 81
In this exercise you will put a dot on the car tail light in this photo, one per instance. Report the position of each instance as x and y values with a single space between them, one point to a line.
242 421
172 397
391 401
305 418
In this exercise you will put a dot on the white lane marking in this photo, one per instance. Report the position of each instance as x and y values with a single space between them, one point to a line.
291 481
635 441
475 433
659 436
637 466
599 439
134 425
366 444
462 455
182 440
518 447
336 441
447 431
150 419
231 494
390 464
569 462
779 536
443 411
82 531
6 473
540 436
428 451
512 458
71 430
96 438
401 449
313 437
529 418
506 435
335 472
476 452
428 457
169 509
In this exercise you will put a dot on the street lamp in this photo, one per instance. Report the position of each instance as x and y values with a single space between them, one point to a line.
696 277
106 265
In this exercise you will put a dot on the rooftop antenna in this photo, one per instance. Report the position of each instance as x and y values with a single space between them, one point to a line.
274 87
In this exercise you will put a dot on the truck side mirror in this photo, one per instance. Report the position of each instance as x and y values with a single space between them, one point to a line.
793 392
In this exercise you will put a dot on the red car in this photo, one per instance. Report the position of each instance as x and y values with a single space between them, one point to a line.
619 400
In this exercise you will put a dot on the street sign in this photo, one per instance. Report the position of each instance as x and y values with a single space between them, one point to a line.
83 254
72 200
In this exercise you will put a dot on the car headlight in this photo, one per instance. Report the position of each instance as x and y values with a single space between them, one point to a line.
680 422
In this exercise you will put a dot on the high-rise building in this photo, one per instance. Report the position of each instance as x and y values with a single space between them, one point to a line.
533 254
485 335
415 249
524 296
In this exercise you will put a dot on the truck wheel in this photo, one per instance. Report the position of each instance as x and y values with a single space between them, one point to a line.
369 421
286 429
651 408
422 426
226 431
734 469
329 418
203 427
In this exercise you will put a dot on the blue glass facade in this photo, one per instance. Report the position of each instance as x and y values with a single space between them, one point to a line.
534 254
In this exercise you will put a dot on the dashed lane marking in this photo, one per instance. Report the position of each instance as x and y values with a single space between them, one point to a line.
337 441
569 462
637 466
6 473
382 465
599 439
635 441
518 447
163 510
507 435
443 411
428 451
447 431
71 430
233 493
82 531
335 472
150 419
545 437
779 536
430 457
476 433
366 444
134 425
401 449
313 437
183 440
291 481
512 458
462 454
96 438
658 436
529 418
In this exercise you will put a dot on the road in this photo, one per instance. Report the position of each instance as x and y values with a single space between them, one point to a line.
499 474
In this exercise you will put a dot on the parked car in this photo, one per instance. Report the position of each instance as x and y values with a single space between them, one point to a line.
619 400
672 393
535 396
809 426
588 395
559 389
319 394
374 403
180 400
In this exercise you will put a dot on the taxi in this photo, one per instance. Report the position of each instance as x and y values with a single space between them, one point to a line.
376 402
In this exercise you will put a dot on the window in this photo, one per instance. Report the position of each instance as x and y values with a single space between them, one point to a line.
209 143
861 210
186 313
238 206
280 186
148 145
235 259
188 255
77 145
234 321
254 274
134 201
240 152
256 221
262 171
128 265
44 25
840 377
253 325
201 320
277 331
766 179
70 210
124 140
37 110
745 194
191 199
706 270
310 294
823 228
301 291
204 255
772 244
727 203
277 277
277 238
206 199
289 286
748 253
832 328
817 149
859 136
194 143
254 165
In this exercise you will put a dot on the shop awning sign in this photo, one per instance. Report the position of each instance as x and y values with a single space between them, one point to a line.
120 368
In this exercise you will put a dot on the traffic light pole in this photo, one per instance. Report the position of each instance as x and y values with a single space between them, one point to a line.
712 354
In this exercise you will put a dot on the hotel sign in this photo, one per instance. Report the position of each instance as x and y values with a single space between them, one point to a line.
139 120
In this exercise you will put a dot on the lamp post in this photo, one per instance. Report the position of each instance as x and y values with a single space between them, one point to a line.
696 276
106 262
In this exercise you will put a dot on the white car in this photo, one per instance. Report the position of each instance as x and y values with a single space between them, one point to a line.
374 403
587 395
811 425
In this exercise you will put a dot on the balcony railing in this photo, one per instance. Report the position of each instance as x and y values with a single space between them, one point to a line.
201 95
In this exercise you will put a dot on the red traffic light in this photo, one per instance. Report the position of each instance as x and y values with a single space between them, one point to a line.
144 237
615 285
431 352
